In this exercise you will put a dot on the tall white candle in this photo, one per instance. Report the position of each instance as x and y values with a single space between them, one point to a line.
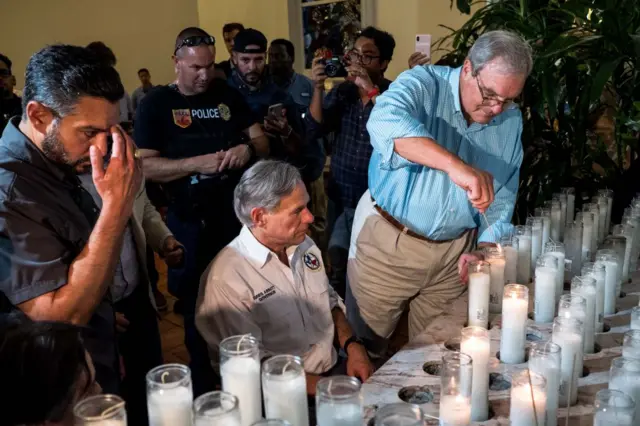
609 259
524 410
169 395
545 289
557 251
586 287
497 262
602 217
475 343
593 208
625 377
523 233
536 239
338 401
479 293
510 250
544 360
515 305
556 217
571 203
567 333
587 234
455 410
562 198
285 397
545 214
597 272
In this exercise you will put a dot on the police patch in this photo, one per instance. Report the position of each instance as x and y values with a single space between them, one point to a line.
311 261
225 112
182 117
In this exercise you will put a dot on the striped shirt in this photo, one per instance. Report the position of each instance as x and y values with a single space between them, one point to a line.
425 102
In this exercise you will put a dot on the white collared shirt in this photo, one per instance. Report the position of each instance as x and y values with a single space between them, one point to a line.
247 289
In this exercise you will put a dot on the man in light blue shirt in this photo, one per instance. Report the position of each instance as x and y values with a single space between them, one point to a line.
446 148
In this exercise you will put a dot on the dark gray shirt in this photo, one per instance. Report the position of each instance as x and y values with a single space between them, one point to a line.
46 218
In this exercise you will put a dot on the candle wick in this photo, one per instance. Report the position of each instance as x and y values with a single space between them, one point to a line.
244 336
285 366
162 377
432 417
573 367
108 412
329 388
533 400
493 235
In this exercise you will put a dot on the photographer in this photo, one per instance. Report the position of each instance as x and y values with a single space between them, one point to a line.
345 111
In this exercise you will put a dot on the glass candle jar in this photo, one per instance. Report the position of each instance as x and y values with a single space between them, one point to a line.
618 244
272 422
240 371
496 259
609 259
545 360
481 293
556 218
598 273
528 399
595 210
573 245
455 389
515 306
338 401
570 193
631 344
586 287
562 198
587 231
536 238
475 342
216 409
567 333
635 318
627 233
169 395
624 376
523 233
510 249
545 289
545 214
399 414
558 251
613 408
602 218
100 410
284 389
609 196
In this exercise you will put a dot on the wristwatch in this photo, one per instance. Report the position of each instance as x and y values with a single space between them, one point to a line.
252 150
350 340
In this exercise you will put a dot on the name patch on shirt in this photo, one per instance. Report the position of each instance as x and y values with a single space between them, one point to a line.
181 117
264 295
311 261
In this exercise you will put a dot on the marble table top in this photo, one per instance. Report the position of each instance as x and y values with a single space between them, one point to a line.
406 376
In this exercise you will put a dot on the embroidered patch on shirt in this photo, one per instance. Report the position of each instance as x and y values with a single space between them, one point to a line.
264 295
311 261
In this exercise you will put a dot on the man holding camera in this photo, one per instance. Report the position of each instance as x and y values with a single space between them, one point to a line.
344 112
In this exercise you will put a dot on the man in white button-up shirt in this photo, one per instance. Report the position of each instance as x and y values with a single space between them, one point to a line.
270 280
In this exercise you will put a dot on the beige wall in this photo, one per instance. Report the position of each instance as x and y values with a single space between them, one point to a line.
140 32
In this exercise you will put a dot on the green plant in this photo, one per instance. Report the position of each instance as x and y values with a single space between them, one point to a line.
586 74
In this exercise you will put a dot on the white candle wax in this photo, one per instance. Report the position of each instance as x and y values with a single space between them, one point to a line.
241 377
590 319
594 233
536 244
609 208
339 415
610 286
514 331
563 217
169 407
546 229
479 290
524 259
548 369
612 418
571 208
635 323
600 284
570 365
627 258
545 294
497 283
455 410
559 273
602 223
511 265
556 216
631 352
220 419
628 383
478 349
285 397
521 412
587 235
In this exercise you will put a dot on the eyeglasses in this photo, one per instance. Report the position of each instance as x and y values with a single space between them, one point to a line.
355 56
491 100
195 41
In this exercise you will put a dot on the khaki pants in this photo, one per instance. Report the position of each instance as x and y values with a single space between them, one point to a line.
391 270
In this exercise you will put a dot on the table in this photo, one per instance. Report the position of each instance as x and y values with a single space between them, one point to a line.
405 376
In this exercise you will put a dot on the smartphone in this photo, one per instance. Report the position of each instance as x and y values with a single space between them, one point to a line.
423 44
275 111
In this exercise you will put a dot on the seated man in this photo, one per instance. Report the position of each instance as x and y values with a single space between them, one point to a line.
270 280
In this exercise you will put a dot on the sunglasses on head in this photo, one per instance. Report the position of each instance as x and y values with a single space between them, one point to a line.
195 41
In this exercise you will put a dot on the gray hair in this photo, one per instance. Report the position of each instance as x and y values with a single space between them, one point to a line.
513 51
263 186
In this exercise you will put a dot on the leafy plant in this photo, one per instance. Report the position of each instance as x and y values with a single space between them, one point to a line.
586 75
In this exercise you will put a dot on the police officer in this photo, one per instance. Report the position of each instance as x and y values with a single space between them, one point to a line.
196 136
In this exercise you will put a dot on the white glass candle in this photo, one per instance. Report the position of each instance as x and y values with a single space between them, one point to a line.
632 224
475 342
618 243
545 214
602 219
624 376
631 344
635 318
495 257
169 395
613 408
100 410
455 389
528 399
587 232
573 247
515 303
510 249
558 251
399 414
570 193
480 294
595 211
272 422
563 211
556 217
597 272
536 239
609 196
567 333
586 287
523 233
284 387
216 409
545 359
609 260
545 289
240 371
338 401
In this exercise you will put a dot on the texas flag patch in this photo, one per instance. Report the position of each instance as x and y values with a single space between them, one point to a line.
311 261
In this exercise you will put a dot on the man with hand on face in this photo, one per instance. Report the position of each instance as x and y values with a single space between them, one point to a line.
196 136
345 112
58 250
446 149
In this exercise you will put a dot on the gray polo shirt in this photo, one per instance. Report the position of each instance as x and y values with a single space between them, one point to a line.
46 218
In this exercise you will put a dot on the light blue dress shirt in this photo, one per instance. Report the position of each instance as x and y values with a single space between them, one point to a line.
425 102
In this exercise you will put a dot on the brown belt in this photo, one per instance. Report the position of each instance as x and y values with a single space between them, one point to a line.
400 227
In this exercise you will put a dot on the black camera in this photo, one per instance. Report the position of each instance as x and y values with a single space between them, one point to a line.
335 67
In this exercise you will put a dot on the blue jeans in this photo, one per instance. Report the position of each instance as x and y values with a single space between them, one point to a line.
338 250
